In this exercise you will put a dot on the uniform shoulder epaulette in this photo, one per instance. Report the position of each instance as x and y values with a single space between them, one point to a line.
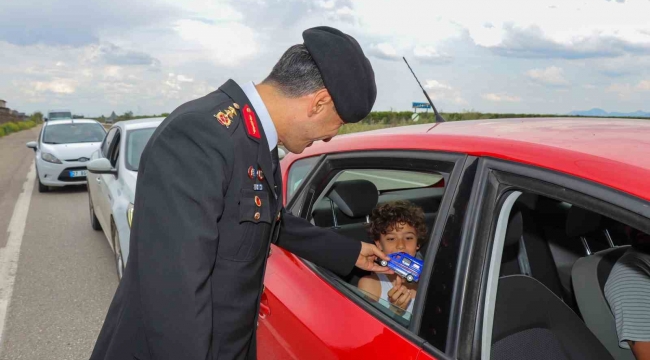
227 114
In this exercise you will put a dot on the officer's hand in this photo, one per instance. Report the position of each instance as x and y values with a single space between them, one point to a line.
366 261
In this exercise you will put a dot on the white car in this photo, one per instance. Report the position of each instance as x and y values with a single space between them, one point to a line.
62 151
113 171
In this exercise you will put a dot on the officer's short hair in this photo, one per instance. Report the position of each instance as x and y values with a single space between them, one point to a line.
296 73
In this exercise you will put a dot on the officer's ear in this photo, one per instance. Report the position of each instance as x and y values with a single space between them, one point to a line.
320 102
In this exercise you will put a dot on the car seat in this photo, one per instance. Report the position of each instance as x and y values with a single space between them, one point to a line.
525 252
589 275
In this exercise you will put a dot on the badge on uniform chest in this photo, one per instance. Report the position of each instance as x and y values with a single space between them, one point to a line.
256 174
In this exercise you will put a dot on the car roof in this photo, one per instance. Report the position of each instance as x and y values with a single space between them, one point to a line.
139 123
613 152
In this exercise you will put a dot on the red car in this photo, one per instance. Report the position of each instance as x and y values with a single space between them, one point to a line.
526 218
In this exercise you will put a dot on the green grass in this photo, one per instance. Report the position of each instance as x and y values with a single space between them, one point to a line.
12 127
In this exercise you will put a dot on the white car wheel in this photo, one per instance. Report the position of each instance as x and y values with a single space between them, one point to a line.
383 263
409 278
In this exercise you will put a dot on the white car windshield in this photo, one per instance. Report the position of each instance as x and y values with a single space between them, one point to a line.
135 143
73 133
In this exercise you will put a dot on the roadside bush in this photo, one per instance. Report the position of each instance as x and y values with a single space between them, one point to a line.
11 127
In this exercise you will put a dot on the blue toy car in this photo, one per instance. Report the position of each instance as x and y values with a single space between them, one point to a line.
405 265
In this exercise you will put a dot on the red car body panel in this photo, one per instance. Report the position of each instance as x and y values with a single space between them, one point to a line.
310 319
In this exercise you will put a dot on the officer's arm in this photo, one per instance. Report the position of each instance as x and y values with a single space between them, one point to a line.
178 203
321 246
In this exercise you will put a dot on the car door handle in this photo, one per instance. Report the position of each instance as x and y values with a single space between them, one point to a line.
265 310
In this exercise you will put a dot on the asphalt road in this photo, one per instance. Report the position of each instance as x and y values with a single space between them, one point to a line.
65 276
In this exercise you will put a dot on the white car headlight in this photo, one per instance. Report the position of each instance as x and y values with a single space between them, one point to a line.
50 158
129 214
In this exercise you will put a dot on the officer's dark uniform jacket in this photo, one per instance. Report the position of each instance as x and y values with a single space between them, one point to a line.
200 238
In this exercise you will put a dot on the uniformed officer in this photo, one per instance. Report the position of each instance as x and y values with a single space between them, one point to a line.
208 205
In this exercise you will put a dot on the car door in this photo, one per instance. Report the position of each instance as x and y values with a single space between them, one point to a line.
107 183
307 312
95 183
512 239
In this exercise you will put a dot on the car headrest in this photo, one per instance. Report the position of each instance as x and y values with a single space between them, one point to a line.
515 229
580 222
355 198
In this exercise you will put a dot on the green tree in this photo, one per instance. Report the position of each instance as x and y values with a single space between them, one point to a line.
36 117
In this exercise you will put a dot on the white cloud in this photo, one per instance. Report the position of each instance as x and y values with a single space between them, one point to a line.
384 51
443 92
183 78
501 97
58 86
430 54
549 76
226 43
643 85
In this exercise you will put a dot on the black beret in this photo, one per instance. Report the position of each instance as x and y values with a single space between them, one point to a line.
346 72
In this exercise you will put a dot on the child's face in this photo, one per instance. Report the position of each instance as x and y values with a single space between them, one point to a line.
402 238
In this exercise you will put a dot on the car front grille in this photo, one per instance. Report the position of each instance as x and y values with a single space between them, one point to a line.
65 174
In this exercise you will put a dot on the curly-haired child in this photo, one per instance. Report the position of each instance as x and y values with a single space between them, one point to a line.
397 226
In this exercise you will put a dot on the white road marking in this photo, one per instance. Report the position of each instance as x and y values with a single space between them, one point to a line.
387 178
10 253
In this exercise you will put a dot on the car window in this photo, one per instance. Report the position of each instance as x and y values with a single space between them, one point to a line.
297 173
347 212
114 149
136 140
547 249
392 179
60 115
107 141
414 186
73 133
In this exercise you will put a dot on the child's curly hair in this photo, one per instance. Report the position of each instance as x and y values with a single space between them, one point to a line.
384 218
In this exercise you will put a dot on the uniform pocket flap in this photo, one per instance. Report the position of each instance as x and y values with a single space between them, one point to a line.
254 206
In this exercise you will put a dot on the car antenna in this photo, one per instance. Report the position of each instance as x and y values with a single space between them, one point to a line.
439 118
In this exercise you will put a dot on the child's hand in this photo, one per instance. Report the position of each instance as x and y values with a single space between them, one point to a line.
400 296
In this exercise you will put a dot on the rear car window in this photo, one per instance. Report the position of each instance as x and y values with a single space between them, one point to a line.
73 133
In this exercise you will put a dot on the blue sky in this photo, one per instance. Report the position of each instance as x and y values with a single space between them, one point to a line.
535 56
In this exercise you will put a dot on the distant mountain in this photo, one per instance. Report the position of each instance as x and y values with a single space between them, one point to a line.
602 113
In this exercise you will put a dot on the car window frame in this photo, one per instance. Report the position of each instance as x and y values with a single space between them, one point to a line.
501 177
115 148
109 141
314 183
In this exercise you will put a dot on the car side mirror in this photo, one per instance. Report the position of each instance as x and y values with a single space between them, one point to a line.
32 145
44 119
101 166
281 153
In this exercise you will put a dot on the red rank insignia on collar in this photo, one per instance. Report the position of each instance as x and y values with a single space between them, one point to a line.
251 122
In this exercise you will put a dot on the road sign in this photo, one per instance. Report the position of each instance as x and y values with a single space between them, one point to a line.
421 105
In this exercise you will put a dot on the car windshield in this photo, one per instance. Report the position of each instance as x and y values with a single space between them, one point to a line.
73 133
135 143
60 115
